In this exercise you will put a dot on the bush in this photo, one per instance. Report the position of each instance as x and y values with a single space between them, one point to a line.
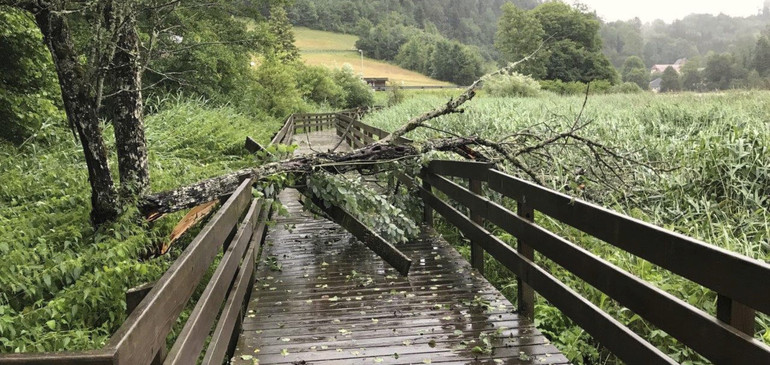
29 92
513 85
395 94
357 92
626 88
275 89
576 87
317 84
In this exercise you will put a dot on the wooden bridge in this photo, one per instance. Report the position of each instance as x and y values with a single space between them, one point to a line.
307 291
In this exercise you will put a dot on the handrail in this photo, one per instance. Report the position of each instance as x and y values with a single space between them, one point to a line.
740 277
142 337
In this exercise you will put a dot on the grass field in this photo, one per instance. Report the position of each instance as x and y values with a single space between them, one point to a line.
334 50
715 149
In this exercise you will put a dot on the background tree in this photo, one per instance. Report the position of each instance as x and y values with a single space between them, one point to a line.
722 71
622 39
692 76
280 28
670 80
761 61
519 34
635 71
572 43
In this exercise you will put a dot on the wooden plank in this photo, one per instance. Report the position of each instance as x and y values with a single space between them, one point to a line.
141 335
135 295
253 146
477 253
320 290
736 314
192 338
623 342
714 340
525 295
371 239
427 213
741 278
100 357
226 326
461 169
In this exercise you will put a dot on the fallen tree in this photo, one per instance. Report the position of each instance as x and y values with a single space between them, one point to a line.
514 151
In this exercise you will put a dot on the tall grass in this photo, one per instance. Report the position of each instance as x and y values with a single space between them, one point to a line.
718 188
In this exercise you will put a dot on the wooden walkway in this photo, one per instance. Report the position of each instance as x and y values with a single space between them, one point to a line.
322 297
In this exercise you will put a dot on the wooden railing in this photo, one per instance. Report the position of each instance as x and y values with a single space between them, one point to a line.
743 284
358 134
142 337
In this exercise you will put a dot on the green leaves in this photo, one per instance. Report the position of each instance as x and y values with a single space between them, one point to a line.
364 202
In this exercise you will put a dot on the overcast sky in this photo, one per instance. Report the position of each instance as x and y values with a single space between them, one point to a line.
668 10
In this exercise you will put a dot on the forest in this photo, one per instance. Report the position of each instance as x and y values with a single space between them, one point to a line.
723 52
118 117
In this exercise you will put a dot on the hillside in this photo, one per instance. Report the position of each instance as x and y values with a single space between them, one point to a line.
320 48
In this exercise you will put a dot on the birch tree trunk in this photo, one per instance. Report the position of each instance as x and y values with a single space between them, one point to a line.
128 117
79 103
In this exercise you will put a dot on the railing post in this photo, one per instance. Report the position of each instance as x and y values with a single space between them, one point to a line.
525 295
736 314
427 210
477 252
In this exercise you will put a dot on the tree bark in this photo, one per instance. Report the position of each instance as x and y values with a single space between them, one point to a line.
79 104
155 205
128 120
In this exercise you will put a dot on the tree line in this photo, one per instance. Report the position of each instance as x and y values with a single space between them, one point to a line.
580 47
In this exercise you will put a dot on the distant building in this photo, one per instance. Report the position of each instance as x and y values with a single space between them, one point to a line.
655 85
677 66
377 83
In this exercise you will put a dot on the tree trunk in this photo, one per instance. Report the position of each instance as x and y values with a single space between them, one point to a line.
79 103
128 115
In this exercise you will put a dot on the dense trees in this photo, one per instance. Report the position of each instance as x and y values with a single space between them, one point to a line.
670 80
761 61
467 21
634 71
571 43
519 34
424 51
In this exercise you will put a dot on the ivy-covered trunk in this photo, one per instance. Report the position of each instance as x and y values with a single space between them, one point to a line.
79 103
128 114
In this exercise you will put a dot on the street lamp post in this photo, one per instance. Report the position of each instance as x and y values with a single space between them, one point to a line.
362 62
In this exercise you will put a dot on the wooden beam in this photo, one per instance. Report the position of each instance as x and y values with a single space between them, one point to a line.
371 239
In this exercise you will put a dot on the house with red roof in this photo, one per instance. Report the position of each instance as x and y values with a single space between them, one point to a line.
677 66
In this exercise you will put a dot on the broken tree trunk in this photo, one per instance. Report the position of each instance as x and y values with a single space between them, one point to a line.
335 163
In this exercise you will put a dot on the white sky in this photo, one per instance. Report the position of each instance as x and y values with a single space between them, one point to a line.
669 10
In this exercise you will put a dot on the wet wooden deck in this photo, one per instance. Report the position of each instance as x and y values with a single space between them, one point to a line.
322 297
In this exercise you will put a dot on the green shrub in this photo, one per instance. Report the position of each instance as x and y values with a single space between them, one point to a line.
316 83
357 92
29 91
626 88
276 89
512 85
576 87
395 94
